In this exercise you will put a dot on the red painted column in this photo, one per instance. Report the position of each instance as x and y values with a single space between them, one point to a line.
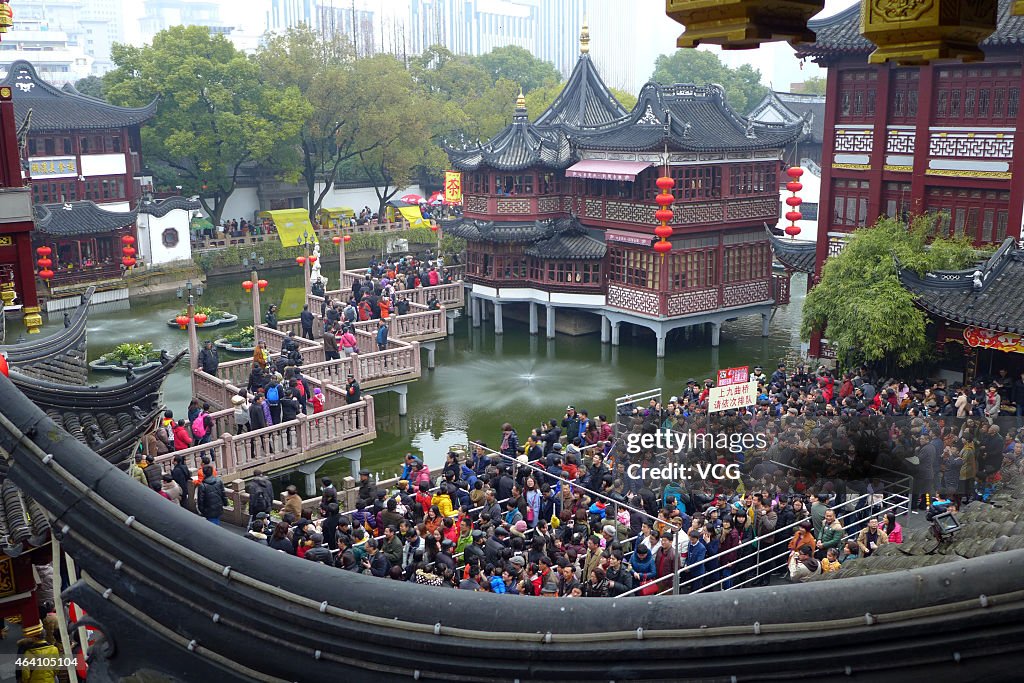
827 154
877 158
921 137
1013 225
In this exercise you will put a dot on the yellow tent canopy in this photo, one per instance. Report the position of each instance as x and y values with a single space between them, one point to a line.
292 225
409 212
333 217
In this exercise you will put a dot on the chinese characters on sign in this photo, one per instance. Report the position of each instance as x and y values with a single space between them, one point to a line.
732 396
988 339
53 167
732 376
452 187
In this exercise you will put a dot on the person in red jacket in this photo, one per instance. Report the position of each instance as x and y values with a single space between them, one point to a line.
182 439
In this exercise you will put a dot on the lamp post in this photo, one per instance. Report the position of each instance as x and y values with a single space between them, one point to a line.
255 285
190 293
305 241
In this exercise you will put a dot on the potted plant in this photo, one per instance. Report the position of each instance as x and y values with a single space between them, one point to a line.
141 356
242 341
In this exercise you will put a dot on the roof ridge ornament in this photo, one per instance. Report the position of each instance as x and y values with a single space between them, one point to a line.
520 113
585 37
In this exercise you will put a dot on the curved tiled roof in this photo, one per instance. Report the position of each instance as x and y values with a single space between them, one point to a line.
520 146
794 108
840 34
165 206
83 218
491 231
570 241
794 254
997 305
687 117
584 101
54 109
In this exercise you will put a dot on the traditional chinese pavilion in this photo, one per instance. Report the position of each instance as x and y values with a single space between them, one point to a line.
943 138
85 240
791 107
559 212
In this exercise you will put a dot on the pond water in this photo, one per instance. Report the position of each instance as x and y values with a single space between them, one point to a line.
480 381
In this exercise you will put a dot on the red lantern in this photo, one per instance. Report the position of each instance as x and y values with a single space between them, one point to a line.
200 318
300 260
46 274
6 371
129 251
336 239
182 321
128 239
262 284
247 286
663 215
44 263
793 202
128 261
347 238
312 260
44 251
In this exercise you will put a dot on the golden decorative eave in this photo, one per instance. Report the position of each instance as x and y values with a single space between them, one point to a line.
743 24
920 31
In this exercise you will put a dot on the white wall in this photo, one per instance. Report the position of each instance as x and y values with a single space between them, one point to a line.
151 230
102 164
811 194
358 197
243 203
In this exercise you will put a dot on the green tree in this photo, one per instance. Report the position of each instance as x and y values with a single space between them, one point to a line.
815 85
869 316
742 85
540 99
341 89
398 137
215 116
516 64
91 86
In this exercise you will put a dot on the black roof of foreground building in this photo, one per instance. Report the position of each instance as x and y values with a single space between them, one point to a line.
499 231
840 34
162 207
83 218
584 101
791 107
795 254
689 118
997 304
56 110
570 242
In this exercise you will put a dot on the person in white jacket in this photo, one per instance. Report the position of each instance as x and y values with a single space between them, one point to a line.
802 564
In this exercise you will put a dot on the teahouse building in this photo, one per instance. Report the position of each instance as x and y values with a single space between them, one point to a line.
560 212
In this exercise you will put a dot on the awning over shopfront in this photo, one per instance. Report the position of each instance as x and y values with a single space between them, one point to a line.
291 224
603 169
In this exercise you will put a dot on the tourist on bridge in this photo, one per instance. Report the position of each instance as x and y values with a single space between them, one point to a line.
182 438
261 495
330 340
170 489
182 476
382 335
348 343
261 356
211 498
353 392
432 302
274 394
271 317
208 359
306 320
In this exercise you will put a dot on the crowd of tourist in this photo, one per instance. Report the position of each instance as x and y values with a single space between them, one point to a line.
553 512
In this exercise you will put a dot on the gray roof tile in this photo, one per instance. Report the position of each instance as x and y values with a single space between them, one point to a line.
83 218
584 101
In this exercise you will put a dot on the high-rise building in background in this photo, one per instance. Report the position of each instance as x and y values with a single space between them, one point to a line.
159 15
54 55
355 19
91 26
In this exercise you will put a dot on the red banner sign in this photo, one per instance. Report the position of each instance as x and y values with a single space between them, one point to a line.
733 376
979 337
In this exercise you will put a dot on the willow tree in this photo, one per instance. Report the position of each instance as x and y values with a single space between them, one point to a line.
864 311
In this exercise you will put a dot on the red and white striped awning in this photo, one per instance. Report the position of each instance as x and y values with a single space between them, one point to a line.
606 169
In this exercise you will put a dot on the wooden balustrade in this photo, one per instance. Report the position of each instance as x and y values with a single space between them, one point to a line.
213 390
236 372
401 360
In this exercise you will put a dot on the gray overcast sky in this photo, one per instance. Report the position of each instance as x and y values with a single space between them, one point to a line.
778 66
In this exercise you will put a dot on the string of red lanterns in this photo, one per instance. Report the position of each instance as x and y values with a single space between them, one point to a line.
44 262
664 214
793 215
128 260
300 260
247 285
